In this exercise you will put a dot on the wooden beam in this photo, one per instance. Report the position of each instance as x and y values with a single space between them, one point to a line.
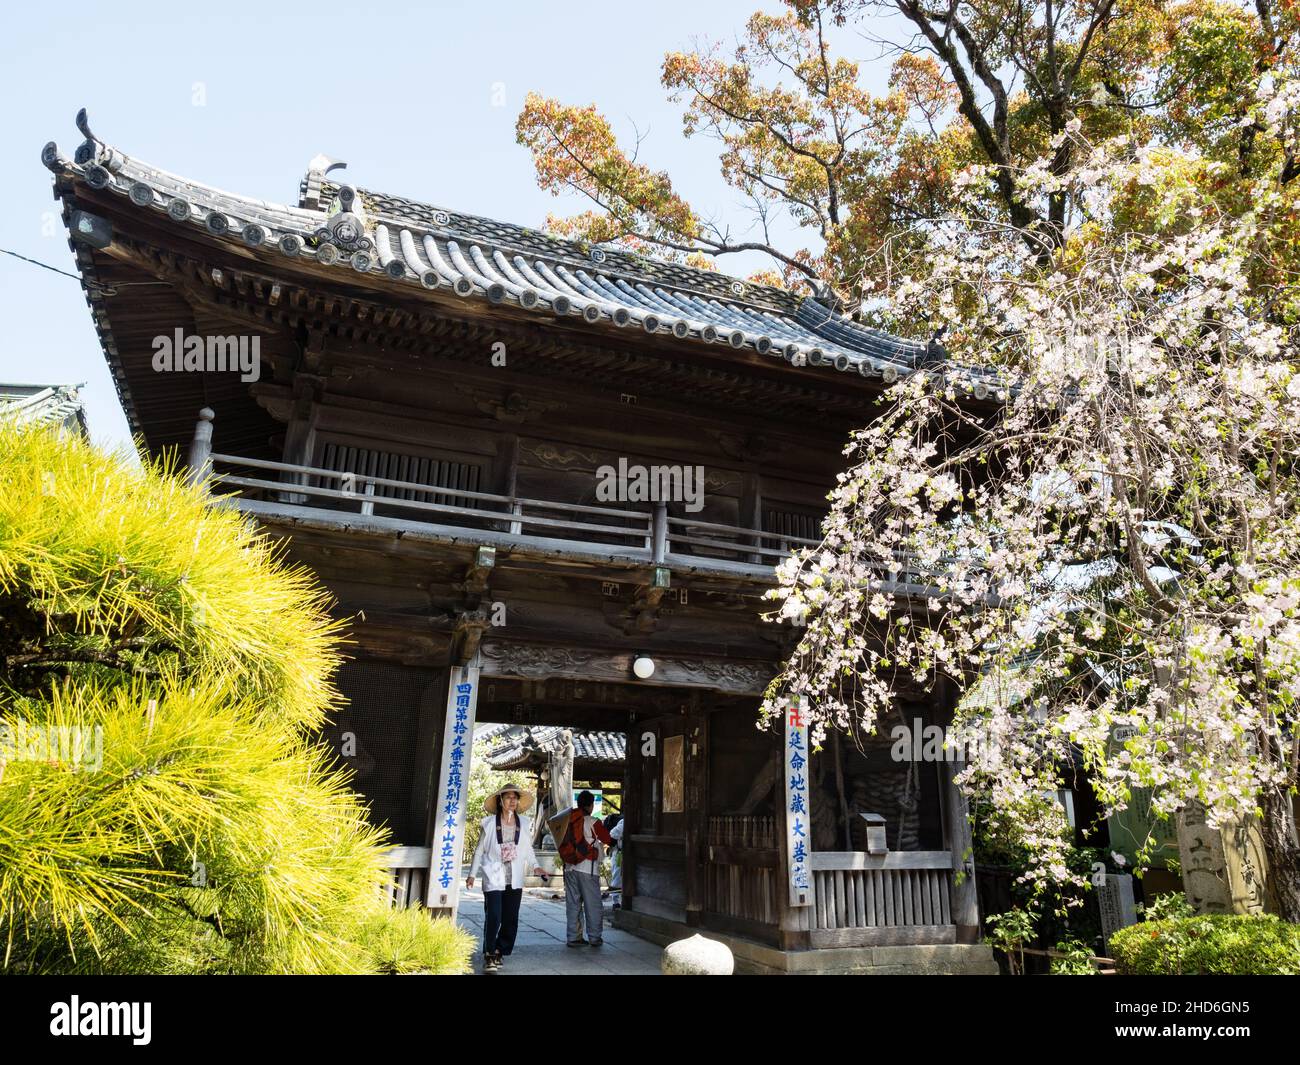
543 661
845 860
746 856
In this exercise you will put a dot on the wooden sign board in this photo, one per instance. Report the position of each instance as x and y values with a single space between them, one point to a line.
453 789
798 820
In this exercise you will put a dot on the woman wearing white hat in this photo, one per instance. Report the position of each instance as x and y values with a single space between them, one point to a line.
504 854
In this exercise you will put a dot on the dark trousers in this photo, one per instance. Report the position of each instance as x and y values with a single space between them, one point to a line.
501 919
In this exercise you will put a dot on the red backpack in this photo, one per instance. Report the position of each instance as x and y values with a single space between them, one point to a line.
574 848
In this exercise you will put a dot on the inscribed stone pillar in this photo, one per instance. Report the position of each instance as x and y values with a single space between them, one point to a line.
1223 870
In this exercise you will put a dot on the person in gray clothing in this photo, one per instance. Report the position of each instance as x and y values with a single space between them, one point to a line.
582 848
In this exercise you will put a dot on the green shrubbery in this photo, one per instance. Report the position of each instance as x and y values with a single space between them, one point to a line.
194 825
406 941
1210 944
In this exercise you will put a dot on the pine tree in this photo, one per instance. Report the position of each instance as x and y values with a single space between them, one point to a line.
164 806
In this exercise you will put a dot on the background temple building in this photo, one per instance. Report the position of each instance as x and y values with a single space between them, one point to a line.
60 405
533 754
528 749
435 395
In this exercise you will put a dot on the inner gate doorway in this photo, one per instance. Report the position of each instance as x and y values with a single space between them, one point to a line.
706 844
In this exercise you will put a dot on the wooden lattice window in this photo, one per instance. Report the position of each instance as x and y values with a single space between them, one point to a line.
420 469
788 521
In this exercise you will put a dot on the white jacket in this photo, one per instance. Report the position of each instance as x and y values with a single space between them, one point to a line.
487 855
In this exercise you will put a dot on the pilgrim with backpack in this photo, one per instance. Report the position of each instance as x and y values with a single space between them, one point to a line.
581 840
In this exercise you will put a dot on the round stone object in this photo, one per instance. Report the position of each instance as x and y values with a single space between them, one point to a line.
697 956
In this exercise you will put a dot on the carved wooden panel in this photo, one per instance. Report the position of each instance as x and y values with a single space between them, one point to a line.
545 661
674 774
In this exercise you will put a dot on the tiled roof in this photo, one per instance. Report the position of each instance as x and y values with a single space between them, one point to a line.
414 245
477 229
516 742
43 404
487 732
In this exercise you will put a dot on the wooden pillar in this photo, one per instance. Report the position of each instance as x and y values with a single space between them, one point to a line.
453 788
632 769
659 533
697 792
795 904
794 922
955 814
965 900
508 477
300 433
751 513
198 462
839 790
431 723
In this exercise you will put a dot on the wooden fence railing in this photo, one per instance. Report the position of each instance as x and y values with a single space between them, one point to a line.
653 535
409 871
901 889
741 875
858 898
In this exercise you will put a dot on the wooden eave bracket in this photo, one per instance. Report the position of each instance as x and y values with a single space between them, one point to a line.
466 635
643 615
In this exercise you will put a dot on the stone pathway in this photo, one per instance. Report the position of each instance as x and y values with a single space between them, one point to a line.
540 949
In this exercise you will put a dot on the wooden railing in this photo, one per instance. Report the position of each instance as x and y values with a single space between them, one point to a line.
743 831
741 876
409 871
898 890
652 535
859 899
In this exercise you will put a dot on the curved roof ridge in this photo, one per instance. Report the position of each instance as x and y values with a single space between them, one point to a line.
468 225
408 243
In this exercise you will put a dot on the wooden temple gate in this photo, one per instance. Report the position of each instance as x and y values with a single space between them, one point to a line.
451 503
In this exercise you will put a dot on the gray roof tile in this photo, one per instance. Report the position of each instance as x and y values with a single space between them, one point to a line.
513 743
478 258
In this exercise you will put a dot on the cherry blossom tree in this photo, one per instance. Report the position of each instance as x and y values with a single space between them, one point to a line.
1108 509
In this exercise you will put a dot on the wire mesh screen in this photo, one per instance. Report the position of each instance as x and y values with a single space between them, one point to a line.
377 736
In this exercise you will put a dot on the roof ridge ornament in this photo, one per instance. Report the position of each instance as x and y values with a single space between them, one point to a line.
314 181
93 151
83 125
347 227
935 352
827 297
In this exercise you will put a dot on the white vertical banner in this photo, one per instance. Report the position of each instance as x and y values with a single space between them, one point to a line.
798 823
453 788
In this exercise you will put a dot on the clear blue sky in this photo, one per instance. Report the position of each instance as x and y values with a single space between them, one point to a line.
243 97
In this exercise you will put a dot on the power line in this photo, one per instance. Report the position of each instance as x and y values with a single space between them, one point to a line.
108 290
47 266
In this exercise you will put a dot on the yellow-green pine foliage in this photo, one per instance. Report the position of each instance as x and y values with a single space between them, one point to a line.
109 569
163 804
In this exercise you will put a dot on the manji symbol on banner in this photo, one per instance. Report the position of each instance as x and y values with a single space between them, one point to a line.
797 820
453 788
